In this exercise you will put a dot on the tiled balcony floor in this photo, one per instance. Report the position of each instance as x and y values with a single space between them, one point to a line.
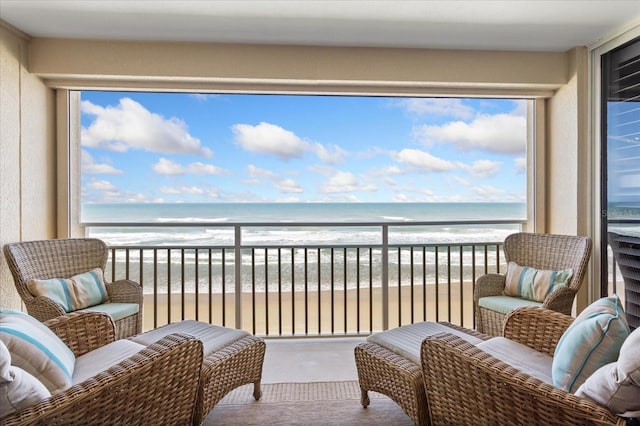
310 360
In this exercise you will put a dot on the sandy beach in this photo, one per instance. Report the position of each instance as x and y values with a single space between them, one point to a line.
276 315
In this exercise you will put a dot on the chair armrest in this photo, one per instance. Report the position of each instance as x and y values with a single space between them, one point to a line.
42 308
538 328
83 331
125 291
158 385
560 300
488 285
465 385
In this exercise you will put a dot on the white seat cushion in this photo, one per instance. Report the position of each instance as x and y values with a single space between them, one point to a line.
116 311
406 341
213 337
522 357
101 359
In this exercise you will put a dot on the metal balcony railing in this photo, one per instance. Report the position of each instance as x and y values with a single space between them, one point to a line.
311 288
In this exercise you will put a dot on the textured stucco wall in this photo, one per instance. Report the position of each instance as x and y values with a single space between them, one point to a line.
27 156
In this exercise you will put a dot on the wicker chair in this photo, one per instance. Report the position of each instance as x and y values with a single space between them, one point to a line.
626 252
540 251
156 386
467 386
64 258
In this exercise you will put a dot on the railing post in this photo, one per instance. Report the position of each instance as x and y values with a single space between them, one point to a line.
237 242
385 277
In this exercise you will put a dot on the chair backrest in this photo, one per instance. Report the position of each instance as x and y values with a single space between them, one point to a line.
46 259
626 252
550 252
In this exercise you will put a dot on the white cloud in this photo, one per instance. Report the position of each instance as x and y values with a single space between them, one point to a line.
423 161
102 185
271 139
345 182
520 165
449 107
283 185
168 167
289 186
129 125
189 190
481 168
90 166
267 138
335 155
500 133
461 181
258 172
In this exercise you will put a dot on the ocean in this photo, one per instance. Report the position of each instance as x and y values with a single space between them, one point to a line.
218 217
263 267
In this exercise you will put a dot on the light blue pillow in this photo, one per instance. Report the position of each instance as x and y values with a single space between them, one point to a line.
36 349
593 340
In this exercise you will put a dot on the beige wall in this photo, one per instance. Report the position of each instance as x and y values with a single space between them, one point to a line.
567 157
27 155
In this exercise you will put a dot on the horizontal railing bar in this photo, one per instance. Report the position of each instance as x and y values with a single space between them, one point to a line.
298 224
302 246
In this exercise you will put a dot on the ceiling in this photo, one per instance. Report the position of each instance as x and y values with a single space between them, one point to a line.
539 25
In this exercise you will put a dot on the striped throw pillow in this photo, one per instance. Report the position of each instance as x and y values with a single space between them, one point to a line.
78 292
593 339
534 284
36 349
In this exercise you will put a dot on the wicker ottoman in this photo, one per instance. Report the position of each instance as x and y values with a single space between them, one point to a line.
232 358
389 363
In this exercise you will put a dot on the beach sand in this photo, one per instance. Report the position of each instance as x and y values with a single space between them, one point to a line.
275 315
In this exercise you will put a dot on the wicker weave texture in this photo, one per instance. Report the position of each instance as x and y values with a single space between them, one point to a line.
626 252
235 365
466 386
390 374
64 258
156 386
540 251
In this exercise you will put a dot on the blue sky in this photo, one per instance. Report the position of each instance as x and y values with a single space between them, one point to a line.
178 147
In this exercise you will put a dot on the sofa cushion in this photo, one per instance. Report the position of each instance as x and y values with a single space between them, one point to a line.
534 284
213 337
116 311
505 304
617 385
36 349
406 341
77 292
101 359
522 357
18 389
591 341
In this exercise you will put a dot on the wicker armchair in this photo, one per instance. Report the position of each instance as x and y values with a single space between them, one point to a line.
64 258
467 386
540 251
158 385
626 252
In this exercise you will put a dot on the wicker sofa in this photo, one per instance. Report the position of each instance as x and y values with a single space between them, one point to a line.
222 359
156 384
466 385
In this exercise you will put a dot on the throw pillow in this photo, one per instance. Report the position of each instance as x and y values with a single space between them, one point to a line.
78 292
18 389
36 349
534 284
617 385
591 341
